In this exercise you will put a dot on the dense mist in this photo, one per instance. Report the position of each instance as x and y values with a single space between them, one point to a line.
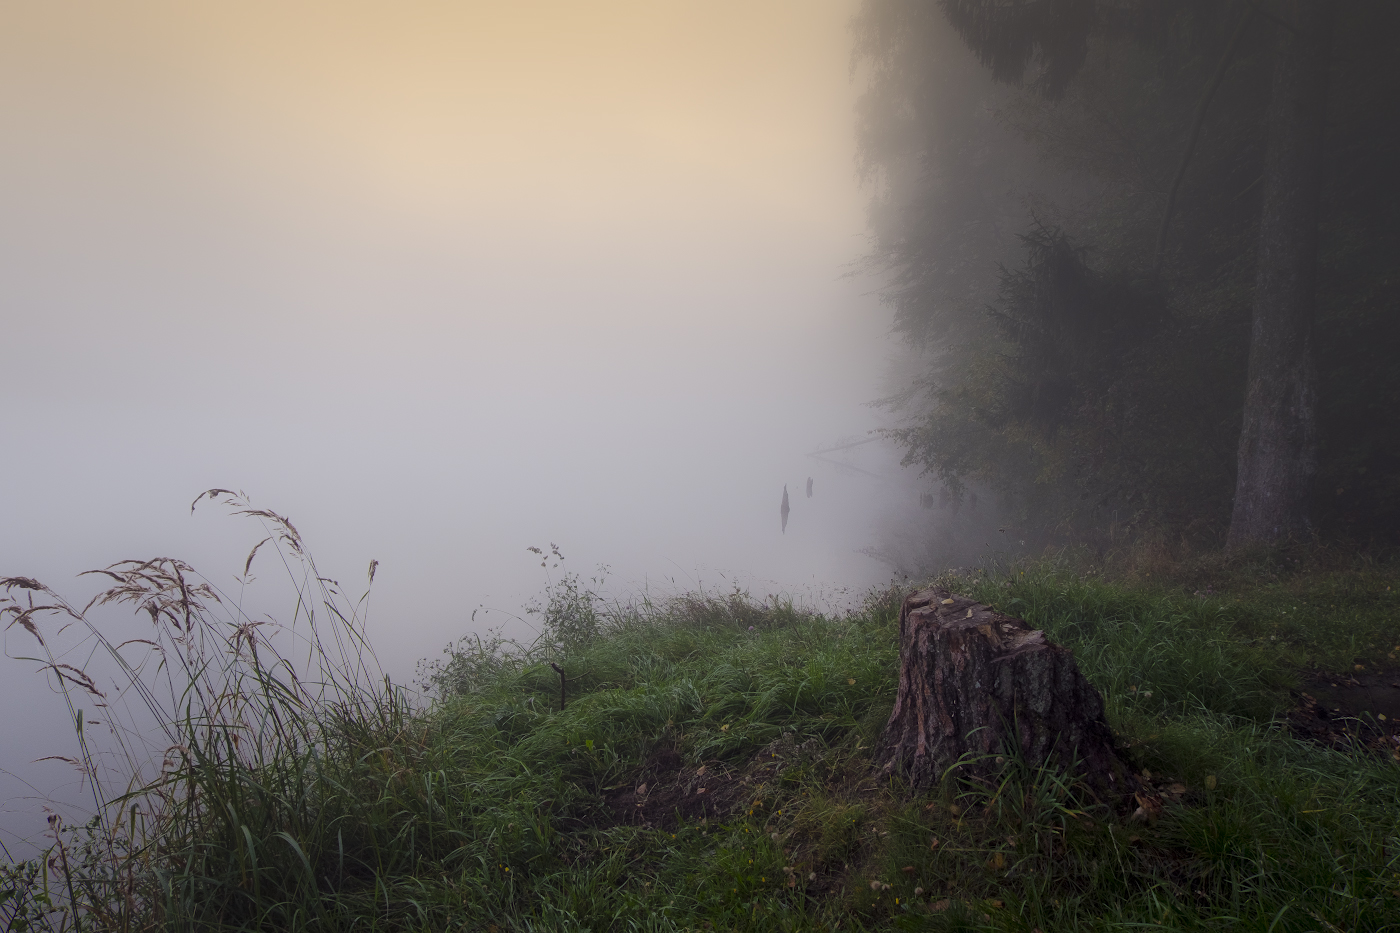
788 299
1142 257
439 283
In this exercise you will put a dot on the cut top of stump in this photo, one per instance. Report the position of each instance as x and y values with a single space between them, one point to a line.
937 606
979 688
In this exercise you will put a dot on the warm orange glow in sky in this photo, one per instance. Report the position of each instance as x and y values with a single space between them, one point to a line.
521 111
439 280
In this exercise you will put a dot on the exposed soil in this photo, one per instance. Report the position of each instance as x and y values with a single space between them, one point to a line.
1361 708
666 792
1339 711
1344 710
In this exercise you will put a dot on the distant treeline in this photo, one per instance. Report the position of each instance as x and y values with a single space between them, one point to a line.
1147 253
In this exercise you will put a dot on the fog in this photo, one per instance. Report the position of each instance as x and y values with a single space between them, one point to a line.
439 282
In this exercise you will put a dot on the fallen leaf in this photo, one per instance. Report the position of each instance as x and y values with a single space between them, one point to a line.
1149 808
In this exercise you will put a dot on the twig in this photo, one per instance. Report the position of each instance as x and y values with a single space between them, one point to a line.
561 684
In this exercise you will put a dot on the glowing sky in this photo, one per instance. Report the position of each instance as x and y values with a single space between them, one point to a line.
440 281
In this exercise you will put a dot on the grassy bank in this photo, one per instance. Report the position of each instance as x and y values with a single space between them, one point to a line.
711 770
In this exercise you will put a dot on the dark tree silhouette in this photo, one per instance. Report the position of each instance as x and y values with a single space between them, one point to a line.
1244 189
1278 439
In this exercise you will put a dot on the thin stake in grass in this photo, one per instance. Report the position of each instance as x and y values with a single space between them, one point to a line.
562 681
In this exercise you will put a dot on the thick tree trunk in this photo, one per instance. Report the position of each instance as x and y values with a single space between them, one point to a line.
975 684
1278 445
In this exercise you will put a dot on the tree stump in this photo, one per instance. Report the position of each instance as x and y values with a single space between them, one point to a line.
975 684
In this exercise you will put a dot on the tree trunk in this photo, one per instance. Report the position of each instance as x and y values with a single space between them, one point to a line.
975 684
1278 444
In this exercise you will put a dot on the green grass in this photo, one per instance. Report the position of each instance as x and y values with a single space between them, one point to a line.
494 810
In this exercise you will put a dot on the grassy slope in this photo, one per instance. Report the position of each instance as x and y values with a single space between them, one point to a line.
495 811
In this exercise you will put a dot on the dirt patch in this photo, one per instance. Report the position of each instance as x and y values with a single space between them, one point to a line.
1365 692
1344 710
665 792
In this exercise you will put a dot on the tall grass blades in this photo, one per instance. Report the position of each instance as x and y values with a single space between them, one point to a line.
711 770
207 818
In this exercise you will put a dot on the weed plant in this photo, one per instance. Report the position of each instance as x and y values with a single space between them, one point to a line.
495 810
211 770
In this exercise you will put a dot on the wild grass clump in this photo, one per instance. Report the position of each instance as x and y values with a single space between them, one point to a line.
710 769
218 743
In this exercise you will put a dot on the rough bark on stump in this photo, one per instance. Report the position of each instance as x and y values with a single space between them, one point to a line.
976 683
